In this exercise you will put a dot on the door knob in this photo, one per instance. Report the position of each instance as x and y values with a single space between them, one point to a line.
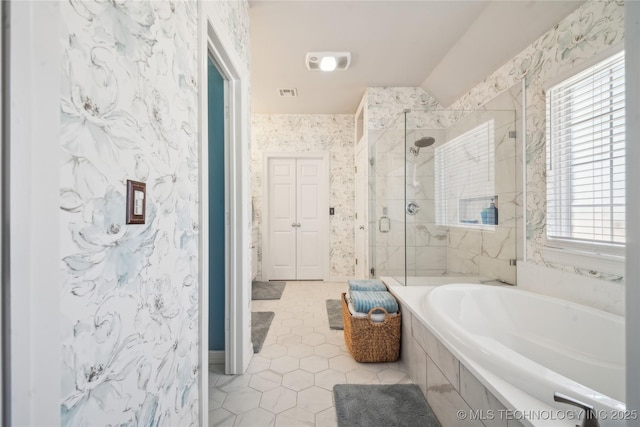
298 225
293 224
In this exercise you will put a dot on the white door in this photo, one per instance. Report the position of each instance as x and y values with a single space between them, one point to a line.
297 222
310 211
361 213
282 218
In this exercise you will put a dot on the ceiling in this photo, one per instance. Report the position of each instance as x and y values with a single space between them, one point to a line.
445 47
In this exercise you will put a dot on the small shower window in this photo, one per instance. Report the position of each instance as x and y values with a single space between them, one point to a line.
465 179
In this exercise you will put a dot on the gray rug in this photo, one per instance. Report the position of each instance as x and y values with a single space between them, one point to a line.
334 313
267 290
396 405
260 322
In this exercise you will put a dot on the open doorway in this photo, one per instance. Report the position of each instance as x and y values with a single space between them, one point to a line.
225 209
217 259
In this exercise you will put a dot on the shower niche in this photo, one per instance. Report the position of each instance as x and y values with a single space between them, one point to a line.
478 211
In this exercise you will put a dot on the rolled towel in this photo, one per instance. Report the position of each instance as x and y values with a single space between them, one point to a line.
363 301
366 285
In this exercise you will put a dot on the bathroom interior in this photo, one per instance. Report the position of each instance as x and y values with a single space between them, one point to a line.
458 195
105 92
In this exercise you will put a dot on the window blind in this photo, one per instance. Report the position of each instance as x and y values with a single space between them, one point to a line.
464 175
586 156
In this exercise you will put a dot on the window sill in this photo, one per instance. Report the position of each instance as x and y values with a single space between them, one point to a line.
598 262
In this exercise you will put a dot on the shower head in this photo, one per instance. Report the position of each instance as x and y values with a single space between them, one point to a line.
421 143
425 142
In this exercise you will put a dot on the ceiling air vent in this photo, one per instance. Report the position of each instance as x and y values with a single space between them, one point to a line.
288 93
328 61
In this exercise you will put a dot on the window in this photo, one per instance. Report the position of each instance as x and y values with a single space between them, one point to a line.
586 159
464 173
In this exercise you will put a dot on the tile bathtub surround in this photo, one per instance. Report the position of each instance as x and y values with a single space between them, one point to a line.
290 382
447 384
330 133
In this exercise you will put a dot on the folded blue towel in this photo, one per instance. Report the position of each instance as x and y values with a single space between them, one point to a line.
366 285
363 301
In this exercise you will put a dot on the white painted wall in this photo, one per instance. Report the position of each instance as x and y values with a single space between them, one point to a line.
632 274
34 123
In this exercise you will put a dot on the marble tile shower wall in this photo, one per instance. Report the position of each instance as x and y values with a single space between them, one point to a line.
313 133
415 241
425 243
487 252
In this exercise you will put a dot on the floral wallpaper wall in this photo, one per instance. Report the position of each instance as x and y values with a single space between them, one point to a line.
331 133
385 106
233 17
129 304
591 29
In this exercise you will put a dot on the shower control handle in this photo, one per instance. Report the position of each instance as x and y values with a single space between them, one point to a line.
362 227
590 419
412 208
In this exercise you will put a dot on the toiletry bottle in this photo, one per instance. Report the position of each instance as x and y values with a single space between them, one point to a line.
484 214
492 214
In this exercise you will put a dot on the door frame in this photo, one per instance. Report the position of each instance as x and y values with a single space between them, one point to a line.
266 157
362 170
238 349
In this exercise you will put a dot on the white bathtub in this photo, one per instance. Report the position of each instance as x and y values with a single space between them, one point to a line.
537 344
433 280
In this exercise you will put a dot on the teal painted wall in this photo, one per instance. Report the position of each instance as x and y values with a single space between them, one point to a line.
216 208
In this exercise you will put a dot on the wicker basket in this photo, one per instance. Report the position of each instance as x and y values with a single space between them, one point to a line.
369 341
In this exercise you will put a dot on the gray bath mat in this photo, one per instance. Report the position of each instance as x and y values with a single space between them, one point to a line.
260 322
334 313
394 405
267 290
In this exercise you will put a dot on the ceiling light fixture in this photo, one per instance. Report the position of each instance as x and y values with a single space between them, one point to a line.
328 61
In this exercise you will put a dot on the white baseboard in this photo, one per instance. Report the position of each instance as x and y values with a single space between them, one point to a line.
338 279
216 357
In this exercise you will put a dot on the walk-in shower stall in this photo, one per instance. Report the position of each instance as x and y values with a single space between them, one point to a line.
445 196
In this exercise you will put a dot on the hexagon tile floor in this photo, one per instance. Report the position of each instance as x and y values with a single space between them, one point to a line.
290 382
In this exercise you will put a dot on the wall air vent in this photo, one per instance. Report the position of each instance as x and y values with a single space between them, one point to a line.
288 93
328 61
